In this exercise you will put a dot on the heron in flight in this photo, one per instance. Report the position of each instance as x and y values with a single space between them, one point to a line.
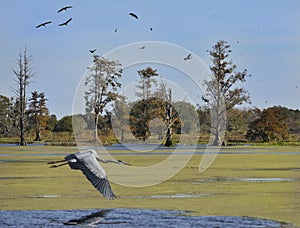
133 15
87 163
43 24
188 57
66 22
64 8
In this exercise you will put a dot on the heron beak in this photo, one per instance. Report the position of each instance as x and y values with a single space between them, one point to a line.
124 163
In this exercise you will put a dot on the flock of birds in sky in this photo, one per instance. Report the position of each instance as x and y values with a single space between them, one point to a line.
87 161
65 8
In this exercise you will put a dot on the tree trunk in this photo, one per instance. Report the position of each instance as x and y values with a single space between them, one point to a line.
22 110
169 119
96 127
217 141
37 133
169 137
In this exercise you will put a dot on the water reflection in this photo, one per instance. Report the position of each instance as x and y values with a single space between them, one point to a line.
92 219
127 218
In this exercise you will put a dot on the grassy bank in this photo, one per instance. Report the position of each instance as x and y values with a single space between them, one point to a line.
29 184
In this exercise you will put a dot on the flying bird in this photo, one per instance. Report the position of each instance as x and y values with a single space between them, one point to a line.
87 163
43 24
133 15
115 30
142 47
64 8
92 51
205 99
188 57
66 22
151 29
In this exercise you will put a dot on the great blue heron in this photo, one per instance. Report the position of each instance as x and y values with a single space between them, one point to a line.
64 8
43 24
66 22
188 57
87 162
133 15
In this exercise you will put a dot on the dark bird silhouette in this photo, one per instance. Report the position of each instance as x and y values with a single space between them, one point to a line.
133 15
92 51
66 22
115 30
151 29
43 24
205 99
64 8
188 57
89 220
87 163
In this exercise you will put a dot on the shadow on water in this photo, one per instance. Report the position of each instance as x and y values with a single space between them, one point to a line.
127 218
92 219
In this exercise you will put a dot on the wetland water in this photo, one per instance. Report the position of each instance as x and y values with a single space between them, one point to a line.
126 218
122 217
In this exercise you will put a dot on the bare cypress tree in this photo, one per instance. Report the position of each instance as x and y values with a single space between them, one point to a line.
169 118
222 91
23 73
102 83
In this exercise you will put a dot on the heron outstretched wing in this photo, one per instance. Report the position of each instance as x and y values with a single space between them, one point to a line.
90 167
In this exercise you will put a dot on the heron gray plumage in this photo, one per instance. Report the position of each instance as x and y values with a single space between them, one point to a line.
87 163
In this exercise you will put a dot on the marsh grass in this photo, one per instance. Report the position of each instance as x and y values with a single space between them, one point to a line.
30 184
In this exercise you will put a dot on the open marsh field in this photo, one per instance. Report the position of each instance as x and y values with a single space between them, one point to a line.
260 182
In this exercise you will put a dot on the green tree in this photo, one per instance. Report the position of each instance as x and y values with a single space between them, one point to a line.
102 84
64 125
5 115
121 115
204 119
139 121
271 125
146 81
222 92
38 112
51 122
144 92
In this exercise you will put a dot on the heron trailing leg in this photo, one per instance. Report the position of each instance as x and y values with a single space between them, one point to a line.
56 166
53 162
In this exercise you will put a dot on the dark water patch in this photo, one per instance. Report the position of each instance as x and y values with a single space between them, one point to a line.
273 169
127 218
16 144
246 179
9 155
46 196
33 177
175 196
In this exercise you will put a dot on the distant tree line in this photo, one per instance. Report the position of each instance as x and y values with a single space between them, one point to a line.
243 125
155 114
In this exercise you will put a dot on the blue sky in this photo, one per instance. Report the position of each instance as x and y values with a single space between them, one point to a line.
264 36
